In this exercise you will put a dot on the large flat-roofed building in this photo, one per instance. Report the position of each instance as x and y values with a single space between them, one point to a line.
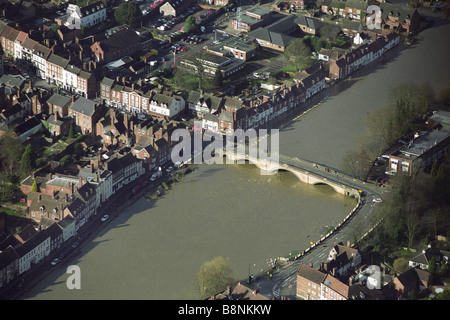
253 18
234 47
421 152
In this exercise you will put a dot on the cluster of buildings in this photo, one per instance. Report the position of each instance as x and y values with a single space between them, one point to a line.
61 56
223 114
342 63
344 277
394 17
424 148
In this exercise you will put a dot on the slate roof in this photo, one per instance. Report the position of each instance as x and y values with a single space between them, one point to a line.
311 274
309 22
92 8
11 81
396 10
10 33
57 60
357 4
58 100
27 125
7 256
272 37
120 40
32 243
84 106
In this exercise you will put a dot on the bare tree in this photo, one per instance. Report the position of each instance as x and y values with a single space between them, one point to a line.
213 277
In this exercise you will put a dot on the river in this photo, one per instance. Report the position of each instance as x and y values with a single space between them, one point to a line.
153 249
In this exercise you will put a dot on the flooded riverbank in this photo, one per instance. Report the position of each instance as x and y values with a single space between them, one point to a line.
153 249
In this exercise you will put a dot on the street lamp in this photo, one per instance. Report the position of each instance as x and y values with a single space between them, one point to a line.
250 276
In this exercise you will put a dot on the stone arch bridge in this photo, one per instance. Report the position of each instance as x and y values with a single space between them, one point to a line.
305 171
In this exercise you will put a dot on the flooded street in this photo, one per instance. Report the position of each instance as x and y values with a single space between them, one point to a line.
153 249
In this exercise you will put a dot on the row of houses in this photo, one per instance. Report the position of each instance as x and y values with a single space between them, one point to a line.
118 93
71 63
342 64
17 45
222 114
344 277
61 206
392 17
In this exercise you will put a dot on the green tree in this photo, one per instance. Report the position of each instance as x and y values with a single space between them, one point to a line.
65 160
128 13
401 264
34 187
213 277
10 153
27 162
71 134
190 24
432 265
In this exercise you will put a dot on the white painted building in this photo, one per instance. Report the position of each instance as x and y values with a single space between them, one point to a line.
33 251
89 15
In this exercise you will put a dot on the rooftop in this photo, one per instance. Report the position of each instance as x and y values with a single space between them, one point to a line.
424 143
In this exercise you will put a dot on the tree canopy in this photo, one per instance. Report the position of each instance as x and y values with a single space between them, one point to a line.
190 24
128 13
213 277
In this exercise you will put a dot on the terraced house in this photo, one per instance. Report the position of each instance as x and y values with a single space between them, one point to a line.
90 15
120 95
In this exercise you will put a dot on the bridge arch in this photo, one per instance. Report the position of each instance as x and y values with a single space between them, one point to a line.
302 175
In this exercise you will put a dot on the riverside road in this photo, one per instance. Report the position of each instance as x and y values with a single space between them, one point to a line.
282 282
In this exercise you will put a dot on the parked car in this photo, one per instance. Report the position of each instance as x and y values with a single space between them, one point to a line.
156 175
105 217
377 200
56 261
169 169
75 244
